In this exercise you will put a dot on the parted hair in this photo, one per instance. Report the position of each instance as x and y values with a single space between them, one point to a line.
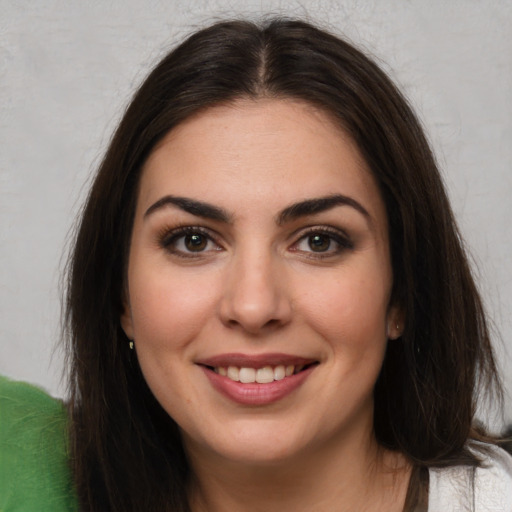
127 453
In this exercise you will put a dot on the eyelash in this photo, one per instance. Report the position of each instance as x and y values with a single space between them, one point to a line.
168 239
334 235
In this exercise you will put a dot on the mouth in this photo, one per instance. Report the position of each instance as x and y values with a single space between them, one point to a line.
257 380
263 375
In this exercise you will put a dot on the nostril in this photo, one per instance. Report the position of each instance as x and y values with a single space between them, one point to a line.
254 325
254 297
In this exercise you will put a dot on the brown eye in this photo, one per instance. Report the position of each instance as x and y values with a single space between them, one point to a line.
323 242
195 242
319 242
189 241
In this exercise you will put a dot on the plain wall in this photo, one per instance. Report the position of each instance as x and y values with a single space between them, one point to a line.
67 69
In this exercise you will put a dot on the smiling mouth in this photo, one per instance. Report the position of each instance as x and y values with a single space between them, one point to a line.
257 380
262 375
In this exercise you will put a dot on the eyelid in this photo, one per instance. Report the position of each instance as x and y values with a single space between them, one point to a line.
339 236
166 236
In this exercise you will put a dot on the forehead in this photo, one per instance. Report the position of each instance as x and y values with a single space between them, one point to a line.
258 151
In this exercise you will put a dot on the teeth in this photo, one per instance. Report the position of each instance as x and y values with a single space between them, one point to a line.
279 373
299 368
263 375
233 373
247 375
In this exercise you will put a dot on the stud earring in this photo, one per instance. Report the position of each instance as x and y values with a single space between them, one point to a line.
396 334
131 344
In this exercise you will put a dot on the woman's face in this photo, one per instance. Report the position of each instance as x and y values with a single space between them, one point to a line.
259 282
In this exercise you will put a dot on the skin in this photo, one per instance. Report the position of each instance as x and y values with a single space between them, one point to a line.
256 286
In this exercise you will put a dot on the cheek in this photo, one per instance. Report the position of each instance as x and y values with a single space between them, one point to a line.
349 310
170 308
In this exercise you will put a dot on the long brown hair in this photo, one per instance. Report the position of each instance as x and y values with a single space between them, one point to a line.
127 452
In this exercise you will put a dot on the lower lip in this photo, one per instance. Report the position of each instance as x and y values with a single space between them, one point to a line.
254 393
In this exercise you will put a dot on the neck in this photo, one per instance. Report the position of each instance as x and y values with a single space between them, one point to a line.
358 475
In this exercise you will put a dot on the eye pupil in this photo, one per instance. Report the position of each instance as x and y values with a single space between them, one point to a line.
319 243
195 242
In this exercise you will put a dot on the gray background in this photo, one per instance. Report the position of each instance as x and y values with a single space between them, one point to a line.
67 69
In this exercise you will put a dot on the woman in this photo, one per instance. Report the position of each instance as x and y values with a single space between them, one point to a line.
269 305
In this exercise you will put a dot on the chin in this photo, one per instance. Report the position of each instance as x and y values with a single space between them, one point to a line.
251 442
261 454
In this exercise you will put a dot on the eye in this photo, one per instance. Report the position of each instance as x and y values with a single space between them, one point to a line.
319 242
323 242
189 241
195 242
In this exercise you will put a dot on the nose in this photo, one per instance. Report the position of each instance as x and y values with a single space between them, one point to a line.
256 297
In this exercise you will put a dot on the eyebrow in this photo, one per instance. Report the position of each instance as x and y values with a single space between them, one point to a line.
292 212
318 205
192 206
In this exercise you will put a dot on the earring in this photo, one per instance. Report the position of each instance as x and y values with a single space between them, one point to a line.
131 344
394 335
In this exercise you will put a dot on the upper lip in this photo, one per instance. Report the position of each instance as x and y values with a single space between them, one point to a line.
254 361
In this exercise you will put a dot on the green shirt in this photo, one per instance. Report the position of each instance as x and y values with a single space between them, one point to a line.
34 468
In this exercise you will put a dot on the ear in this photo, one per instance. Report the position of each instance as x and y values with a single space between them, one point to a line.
395 322
127 320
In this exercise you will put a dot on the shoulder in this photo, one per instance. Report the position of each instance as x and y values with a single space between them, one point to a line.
487 488
17 396
34 472
29 414
493 481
